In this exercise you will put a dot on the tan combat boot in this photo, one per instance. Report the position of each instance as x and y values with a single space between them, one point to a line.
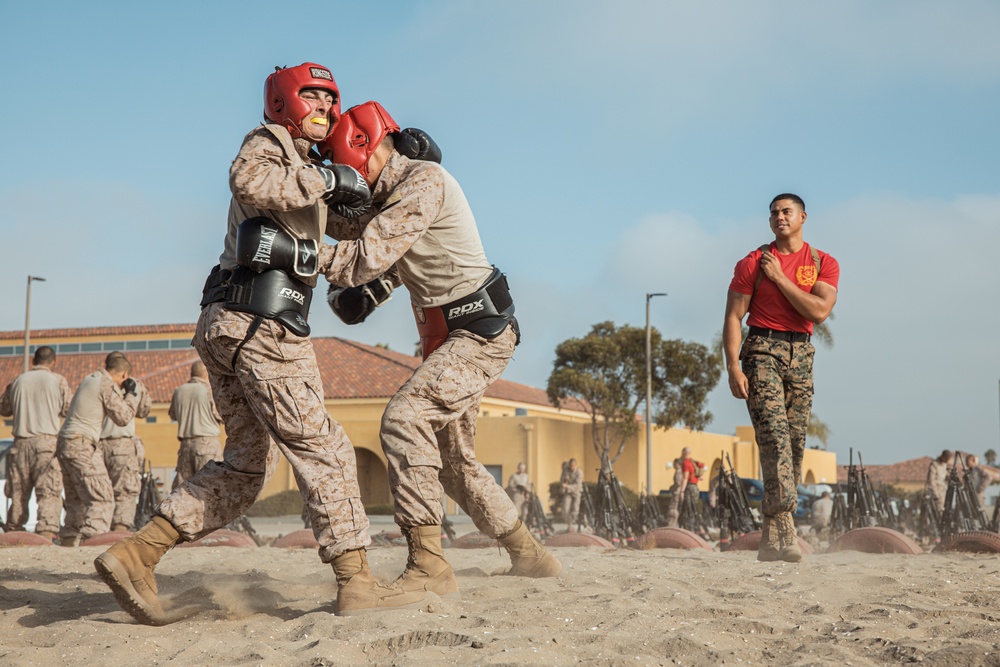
528 558
359 593
47 534
426 567
127 568
790 551
770 545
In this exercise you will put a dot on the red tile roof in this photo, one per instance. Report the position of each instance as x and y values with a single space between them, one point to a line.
912 471
17 336
349 370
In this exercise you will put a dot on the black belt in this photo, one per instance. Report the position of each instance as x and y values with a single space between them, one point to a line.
790 336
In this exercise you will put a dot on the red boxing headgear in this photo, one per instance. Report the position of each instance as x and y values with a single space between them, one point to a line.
282 104
358 134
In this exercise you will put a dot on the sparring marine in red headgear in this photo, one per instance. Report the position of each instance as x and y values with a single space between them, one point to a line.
282 104
358 134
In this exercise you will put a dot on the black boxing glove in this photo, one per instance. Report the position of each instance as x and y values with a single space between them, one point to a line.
349 304
354 304
417 145
262 245
129 386
347 192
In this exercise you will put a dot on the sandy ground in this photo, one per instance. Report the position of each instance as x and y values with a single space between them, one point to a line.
271 606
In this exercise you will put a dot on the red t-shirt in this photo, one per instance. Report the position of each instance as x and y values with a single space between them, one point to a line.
691 471
769 309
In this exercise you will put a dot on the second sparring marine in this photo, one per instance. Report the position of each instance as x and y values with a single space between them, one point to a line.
424 229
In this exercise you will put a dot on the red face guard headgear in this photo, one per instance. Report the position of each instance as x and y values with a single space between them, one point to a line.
358 134
282 104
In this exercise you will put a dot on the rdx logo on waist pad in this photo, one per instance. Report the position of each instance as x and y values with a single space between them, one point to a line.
289 293
467 309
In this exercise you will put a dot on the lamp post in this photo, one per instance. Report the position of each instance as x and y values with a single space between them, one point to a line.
649 398
27 321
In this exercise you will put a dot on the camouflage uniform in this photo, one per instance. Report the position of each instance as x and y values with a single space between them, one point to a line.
424 227
781 392
517 490
198 422
271 400
90 499
937 482
36 400
573 481
676 492
123 454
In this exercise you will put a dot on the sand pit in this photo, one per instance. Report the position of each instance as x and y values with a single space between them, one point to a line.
272 606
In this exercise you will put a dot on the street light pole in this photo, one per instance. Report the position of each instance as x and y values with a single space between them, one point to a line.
649 398
27 321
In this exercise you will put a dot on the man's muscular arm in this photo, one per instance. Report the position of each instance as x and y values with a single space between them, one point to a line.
263 176
815 306
737 306
389 234
120 410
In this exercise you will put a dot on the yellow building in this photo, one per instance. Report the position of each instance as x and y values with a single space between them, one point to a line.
516 423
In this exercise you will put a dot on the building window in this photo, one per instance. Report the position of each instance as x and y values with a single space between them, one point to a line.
151 419
497 472
520 412
106 346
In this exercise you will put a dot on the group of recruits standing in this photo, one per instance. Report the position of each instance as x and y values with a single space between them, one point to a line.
400 218
94 455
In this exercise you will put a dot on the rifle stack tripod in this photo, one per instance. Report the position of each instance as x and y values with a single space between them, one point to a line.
735 514
863 508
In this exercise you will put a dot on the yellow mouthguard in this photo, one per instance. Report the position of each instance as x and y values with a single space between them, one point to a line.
319 121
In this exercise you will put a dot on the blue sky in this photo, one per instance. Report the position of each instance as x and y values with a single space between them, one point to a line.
606 151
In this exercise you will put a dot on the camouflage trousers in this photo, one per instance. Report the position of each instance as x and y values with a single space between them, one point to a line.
781 393
271 402
570 509
428 436
122 459
90 498
32 464
193 454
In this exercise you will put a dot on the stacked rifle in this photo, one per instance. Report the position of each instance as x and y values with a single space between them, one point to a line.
149 496
864 507
613 517
649 514
587 516
962 512
535 519
732 507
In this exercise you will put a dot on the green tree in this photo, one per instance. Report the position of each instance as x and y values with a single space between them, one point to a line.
606 370
990 456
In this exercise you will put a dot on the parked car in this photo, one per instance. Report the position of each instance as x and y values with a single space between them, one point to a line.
5 445
803 512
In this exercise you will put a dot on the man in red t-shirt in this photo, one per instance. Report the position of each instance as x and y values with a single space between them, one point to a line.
786 289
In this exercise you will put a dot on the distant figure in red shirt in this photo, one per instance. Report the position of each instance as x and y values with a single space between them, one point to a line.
786 288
